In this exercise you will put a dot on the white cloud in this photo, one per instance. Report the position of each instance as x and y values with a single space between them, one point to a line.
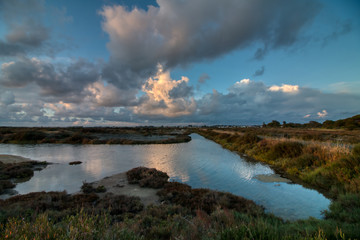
322 114
159 100
287 88
108 95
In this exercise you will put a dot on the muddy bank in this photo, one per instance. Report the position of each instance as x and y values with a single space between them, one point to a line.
5 158
118 184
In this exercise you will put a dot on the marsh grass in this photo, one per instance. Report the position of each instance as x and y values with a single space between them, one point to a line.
174 222
334 168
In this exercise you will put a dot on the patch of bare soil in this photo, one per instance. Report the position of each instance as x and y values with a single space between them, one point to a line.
5 158
118 185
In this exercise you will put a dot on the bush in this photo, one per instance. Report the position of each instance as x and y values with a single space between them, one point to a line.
356 151
286 150
345 209
250 138
205 199
5 184
147 177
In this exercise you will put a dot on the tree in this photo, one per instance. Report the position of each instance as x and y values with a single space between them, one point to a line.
274 123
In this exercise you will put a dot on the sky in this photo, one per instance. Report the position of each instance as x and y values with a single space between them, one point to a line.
178 62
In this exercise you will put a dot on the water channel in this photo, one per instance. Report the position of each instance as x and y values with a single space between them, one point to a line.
200 163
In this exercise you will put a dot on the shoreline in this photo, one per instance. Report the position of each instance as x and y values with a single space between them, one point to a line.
8 158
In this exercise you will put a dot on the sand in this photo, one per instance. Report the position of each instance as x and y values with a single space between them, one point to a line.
13 159
119 185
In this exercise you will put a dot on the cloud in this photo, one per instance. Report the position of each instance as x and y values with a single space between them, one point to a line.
203 78
53 80
166 97
108 95
322 114
25 29
249 102
180 33
341 28
286 88
7 98
259 72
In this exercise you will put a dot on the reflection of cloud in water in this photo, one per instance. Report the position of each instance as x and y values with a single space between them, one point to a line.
247 170
163 157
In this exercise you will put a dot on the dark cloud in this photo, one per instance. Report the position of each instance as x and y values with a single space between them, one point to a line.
26 31
260 53
203 78
7 98
178 33
54 81
342 28
259 72
182 90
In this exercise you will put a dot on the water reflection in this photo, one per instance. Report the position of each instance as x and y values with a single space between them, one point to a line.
200 163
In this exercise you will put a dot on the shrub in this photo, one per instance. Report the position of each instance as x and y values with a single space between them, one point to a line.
250 138
5 184
87 188
118 205
356 151
305 160
345 209
286 149
147 177
29 136
205 199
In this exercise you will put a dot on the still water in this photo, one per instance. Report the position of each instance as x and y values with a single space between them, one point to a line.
200 163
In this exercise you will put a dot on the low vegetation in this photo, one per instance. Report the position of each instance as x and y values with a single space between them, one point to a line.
94 135
185 213
147 177
13 172
333 169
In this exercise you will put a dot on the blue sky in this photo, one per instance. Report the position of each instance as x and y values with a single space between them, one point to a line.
123 62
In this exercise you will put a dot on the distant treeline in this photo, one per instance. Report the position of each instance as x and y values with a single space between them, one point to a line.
351 123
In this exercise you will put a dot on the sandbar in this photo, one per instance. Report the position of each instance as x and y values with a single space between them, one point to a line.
5 158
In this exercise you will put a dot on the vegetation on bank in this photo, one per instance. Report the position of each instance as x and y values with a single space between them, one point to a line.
350 123
185 213
333 169
93 135
10 173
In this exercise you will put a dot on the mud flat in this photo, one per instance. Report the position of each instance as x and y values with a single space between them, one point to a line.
119 185
5 158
